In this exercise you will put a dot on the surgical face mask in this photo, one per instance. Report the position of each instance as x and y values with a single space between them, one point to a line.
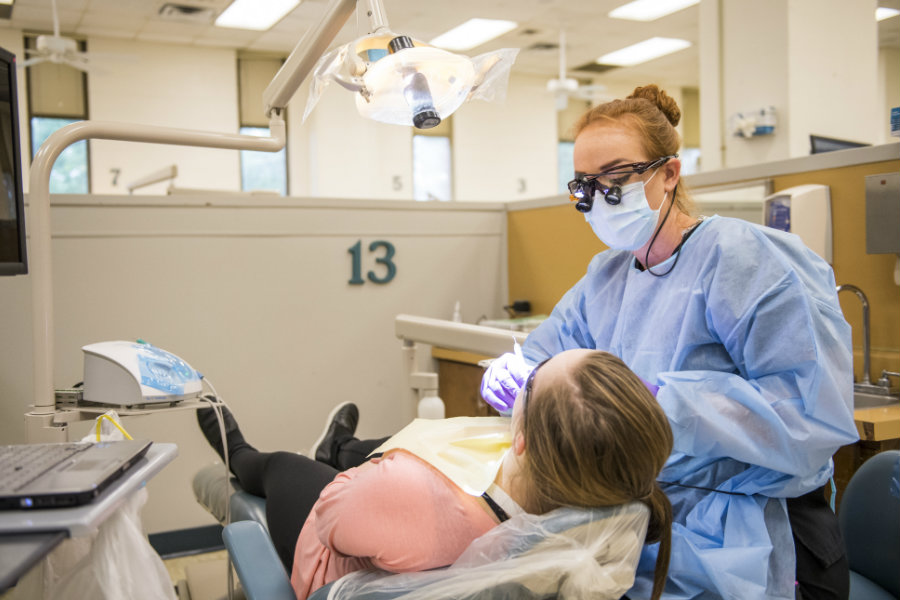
627 225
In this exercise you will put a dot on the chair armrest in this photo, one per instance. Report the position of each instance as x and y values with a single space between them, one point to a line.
256 562
247 507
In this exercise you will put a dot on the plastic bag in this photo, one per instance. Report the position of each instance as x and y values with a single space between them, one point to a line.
384 86
568 553
120 564
113 563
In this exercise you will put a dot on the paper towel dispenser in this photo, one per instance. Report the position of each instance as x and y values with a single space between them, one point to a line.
804 210
883 214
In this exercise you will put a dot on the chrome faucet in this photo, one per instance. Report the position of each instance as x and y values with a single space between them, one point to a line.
865 306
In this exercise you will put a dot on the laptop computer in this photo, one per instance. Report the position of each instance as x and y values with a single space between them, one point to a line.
62 475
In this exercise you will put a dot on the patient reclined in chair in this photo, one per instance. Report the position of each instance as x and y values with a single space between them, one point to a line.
568 553
570 443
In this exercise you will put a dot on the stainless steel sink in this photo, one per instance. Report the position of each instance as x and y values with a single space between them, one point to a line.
866 400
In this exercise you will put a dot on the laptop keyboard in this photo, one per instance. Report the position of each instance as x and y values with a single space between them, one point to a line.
20 465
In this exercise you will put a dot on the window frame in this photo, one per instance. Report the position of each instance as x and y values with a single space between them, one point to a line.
29 42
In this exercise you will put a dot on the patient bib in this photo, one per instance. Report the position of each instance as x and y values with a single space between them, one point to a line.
467 450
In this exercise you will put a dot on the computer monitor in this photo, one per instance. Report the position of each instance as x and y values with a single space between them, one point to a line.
13 260
819 144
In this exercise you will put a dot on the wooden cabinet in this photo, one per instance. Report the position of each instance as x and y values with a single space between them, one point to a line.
459 383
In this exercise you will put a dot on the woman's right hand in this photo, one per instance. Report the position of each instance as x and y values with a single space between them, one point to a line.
503 379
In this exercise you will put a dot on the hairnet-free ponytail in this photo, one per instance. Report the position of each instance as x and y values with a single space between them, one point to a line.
660 530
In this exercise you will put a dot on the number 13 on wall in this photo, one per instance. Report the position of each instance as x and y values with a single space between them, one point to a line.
386 260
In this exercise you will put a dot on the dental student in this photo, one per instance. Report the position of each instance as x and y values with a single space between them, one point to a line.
739 327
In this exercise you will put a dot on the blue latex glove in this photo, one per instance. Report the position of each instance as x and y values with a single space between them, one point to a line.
503 380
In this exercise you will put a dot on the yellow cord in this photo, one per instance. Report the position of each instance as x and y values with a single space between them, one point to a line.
111 420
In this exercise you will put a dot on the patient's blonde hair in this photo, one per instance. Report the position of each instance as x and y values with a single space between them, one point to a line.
599 442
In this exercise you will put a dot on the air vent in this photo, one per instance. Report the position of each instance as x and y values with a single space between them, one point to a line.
543 46
187 13
593 67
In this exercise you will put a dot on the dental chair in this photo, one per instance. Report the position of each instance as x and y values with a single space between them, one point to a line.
513 561
869 518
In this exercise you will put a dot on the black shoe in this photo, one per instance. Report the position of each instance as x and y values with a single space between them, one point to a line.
209 425
340 426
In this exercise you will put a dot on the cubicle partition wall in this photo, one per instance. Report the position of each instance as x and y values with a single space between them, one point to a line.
286 305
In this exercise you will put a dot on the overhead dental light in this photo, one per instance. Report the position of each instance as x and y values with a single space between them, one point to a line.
396 78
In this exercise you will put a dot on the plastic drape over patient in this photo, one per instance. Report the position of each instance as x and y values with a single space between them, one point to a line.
568 554
752 354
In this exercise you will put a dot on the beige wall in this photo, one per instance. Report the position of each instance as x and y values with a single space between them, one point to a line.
815 62
157 84
504 152
256 297
335 153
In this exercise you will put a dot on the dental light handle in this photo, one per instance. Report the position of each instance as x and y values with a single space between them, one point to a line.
418 96
416 90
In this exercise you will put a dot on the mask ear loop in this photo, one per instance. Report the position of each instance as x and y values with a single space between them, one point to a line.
653 239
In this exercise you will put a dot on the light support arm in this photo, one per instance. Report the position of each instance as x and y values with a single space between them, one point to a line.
312 45
40 235
301 61
377 16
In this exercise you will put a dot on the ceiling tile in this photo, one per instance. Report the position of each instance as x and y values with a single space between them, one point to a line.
163 38
103 32
102 20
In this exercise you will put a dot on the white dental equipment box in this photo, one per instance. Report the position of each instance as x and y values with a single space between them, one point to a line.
806 211
136 373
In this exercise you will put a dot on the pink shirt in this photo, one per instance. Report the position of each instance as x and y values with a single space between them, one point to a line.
396 513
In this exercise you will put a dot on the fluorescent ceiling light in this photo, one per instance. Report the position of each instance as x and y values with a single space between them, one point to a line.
254 14
649 10
882 13
643 51
472 33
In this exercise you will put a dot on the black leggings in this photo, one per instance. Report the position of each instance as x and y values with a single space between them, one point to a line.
290 483
353 452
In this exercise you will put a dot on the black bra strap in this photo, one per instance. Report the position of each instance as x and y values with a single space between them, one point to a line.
501 514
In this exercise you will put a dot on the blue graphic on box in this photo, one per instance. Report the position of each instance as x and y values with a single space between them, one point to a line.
162 370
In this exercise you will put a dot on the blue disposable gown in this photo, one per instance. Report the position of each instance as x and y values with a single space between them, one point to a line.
752 354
